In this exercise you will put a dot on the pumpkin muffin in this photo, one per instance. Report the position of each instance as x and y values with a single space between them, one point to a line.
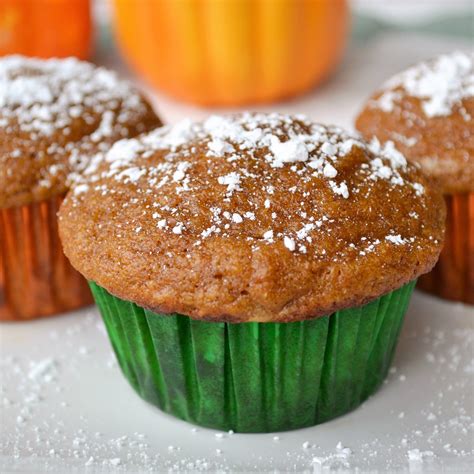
427 111
55 115
252 270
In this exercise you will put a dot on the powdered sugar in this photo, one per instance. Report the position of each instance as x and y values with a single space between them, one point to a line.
329 171
231 180
395 239
62 113
43 370
289 243
290 151
341 189
246 155
417 455
180 172
440 84
45 96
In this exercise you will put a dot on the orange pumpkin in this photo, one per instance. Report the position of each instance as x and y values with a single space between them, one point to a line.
45 28
231 52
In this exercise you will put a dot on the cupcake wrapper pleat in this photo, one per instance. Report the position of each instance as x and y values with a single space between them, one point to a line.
255 377
453 276
36 279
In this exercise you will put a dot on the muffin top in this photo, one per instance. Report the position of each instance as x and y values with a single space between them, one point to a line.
427 111
252 217
54 115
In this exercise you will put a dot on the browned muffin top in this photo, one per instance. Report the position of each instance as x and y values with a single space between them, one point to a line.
54 115
251 218
427 111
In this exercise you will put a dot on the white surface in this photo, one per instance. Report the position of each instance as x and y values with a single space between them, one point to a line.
65 405
406 12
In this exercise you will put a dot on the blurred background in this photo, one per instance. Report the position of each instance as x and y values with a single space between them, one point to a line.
320 57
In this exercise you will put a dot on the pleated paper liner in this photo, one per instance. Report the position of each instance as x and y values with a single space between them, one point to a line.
453 276
36 279
255 377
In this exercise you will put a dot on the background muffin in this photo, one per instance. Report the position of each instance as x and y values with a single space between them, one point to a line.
267 221
427 111
54 116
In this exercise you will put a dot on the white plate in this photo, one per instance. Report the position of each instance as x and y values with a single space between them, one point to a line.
65 404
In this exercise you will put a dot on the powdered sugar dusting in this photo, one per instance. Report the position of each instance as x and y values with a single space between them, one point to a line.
45 96
244 156
440 84
63 112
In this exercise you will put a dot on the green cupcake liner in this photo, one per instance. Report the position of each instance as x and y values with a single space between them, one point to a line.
255 377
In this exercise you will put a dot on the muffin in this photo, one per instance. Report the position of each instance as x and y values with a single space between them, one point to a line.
252 270
427 111
55 115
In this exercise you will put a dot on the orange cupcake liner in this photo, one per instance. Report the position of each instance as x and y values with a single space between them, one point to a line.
36 279
453 276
